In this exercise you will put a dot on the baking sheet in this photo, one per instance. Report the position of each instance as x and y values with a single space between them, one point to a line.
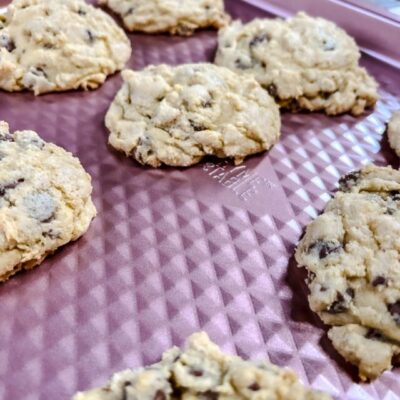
174 251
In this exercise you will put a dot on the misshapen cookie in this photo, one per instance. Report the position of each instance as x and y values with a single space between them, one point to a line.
305 63
45 200
57 45
352 254
177 115
178 17
203 372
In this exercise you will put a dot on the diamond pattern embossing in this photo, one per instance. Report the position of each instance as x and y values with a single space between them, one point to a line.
173 251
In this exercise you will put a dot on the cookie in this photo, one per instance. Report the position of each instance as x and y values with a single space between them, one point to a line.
367 348
57 45
177 17
45 200
352 254
177 115
393 131
202 371
305 63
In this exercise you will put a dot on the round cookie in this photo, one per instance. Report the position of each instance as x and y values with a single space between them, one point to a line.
305 63
57 45
393 131
177 115
203 372
178 17
352 254
45 200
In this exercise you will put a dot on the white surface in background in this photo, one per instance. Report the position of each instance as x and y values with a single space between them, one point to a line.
395 10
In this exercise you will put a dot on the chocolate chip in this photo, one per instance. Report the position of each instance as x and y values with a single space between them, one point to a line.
374 335
6 137
394 309
7 43
129 12
258 39
125 394
91 36
349 180
51 234
160 395
272 90
196 372
143 149
390 211
254 387
379 280
329 44
324 248
196 126
338 306
350 292
82 12
210 395
33 141
325 95
41 206
241 65
207 104
395 195
38 71
310 277
10 186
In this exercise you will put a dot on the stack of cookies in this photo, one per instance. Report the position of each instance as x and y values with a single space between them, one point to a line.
176 116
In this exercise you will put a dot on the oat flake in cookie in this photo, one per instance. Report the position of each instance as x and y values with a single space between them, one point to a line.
178 17
178 115
45 200
203 372
393 131
57 45
305 63
352 254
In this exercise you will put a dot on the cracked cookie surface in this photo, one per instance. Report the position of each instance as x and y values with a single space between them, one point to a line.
178 17
305 63
45 200
393 131
352 254
177 115
57 45
203 372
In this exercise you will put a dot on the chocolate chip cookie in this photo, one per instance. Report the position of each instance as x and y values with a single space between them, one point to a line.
305 63
393 131
45 200
203 372
178 17
57 45
367 348
352 254
177 115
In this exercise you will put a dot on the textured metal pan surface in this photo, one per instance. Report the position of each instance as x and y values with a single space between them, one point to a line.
174 251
